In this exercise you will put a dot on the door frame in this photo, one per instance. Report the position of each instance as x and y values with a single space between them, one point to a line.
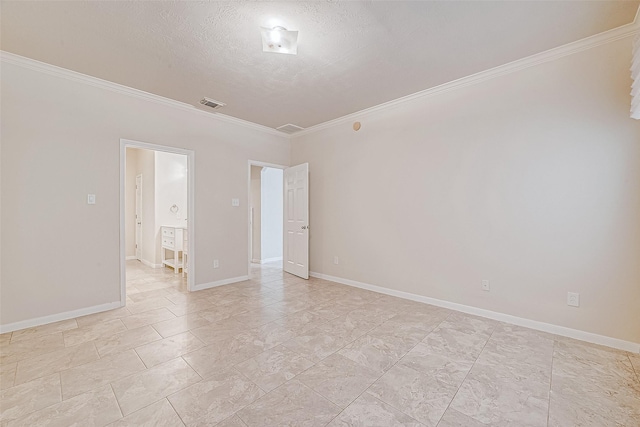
191 173
249 242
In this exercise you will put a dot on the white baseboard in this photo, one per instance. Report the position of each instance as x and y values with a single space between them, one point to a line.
507 318
256 261
131 258
150 264
58 317
203 286
266 260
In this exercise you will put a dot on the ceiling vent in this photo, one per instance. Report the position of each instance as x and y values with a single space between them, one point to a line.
216 105
289 128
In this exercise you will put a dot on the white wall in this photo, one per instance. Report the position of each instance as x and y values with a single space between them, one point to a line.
529 180
170 189
130 202
60 254
271 213
147 168
256 227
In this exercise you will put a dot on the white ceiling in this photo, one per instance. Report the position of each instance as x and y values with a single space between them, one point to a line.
351 55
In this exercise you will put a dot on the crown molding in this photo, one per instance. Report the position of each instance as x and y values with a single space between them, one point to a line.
609 36
32 64
482 76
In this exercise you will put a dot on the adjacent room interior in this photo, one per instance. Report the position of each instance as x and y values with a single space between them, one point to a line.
340 213
156 221
266 217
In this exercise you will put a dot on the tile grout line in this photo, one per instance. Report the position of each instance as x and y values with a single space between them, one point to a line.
470 369
45 353
37 410
55 372
384 372
15 374
11 340
636 371
357 397
189 365
117 401
553 355
174 408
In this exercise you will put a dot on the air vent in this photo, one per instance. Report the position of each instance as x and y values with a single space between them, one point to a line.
216 105
289 128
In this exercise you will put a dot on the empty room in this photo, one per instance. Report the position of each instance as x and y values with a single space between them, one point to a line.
320 213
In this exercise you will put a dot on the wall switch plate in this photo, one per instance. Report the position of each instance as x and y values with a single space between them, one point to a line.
485 285
216 264
235 202
573 299
336 260
91 199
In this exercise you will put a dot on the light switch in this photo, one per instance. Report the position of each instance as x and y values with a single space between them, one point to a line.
235 202
91 199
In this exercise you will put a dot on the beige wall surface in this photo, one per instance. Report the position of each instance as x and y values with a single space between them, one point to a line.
60 254
141 162
130 202
147 168
256 226
271 213
530 180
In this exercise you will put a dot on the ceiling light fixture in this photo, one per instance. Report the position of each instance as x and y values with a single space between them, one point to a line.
279 40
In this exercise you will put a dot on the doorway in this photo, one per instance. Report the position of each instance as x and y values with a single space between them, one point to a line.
265 216
156 219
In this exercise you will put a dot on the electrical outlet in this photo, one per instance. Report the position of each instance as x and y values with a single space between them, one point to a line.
485 285
216 264
336 260
91 199
573 299
235 202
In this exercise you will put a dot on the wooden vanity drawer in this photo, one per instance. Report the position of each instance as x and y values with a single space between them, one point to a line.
168 242
168 232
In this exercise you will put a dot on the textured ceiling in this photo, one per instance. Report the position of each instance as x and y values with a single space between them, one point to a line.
351 55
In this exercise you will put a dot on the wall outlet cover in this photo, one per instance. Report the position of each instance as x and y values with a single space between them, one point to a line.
485 285
216 263
573 299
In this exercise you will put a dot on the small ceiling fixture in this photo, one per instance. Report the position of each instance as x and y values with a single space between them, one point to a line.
216 105
279 40
289 128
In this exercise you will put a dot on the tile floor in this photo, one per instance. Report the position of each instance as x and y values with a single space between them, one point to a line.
280 351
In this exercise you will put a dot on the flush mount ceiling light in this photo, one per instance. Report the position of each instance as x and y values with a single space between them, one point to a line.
279 40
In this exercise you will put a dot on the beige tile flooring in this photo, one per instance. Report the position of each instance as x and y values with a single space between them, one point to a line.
281 351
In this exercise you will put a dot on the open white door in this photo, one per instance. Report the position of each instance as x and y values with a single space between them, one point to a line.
296 220
139 217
